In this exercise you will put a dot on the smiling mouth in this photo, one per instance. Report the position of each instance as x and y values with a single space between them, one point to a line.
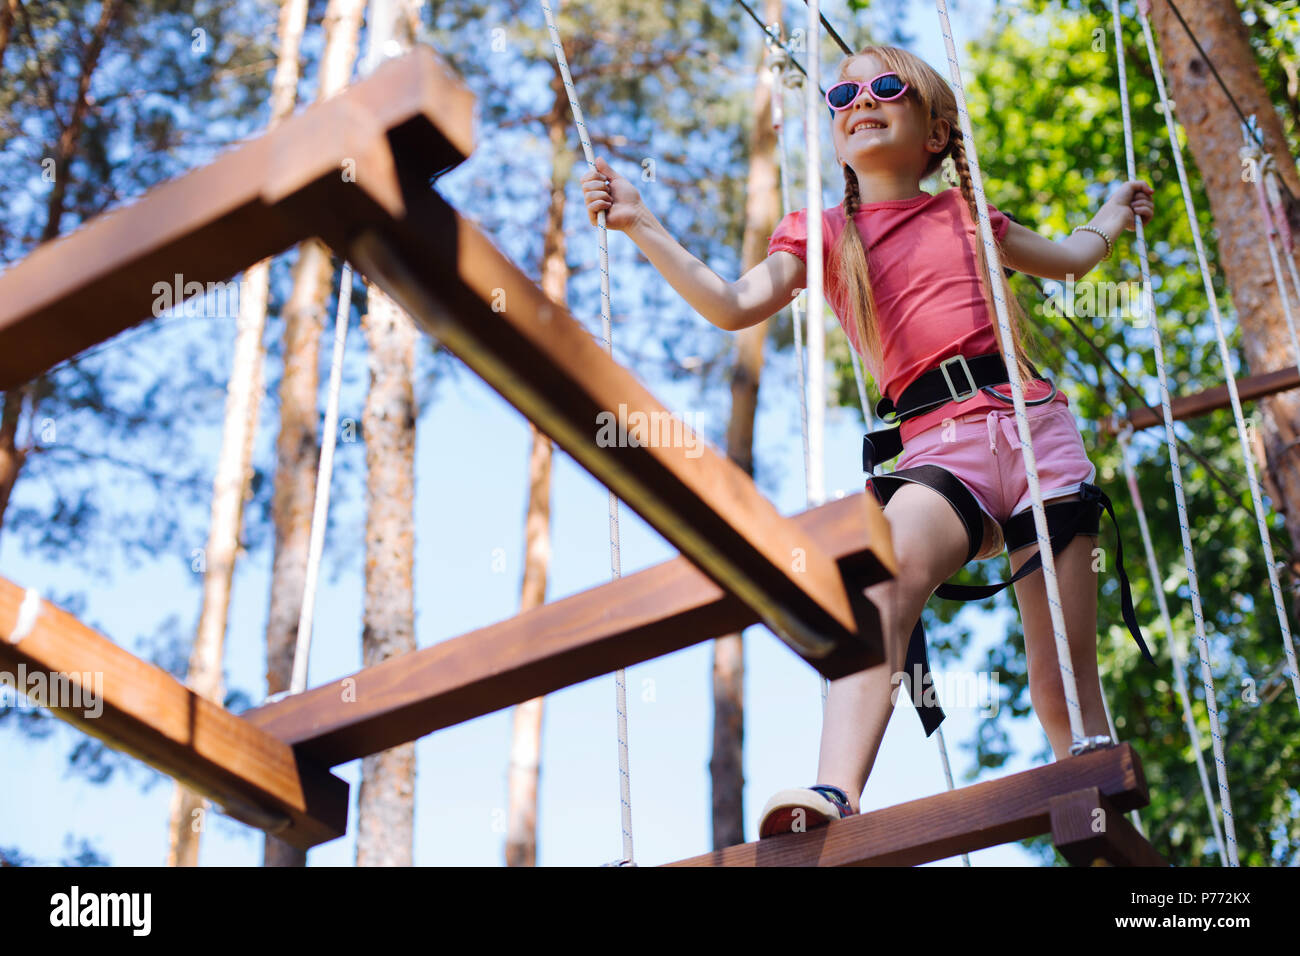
865 125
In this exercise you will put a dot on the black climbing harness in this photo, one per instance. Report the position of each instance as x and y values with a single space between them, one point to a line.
1065 519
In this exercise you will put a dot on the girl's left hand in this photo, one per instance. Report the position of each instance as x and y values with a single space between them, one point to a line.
1133 199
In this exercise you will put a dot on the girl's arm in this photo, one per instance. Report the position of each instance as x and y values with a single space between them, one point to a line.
1076 254
758 294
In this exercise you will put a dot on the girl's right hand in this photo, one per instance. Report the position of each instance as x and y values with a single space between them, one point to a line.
607 190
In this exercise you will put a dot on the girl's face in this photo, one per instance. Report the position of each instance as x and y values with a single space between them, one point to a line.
873 135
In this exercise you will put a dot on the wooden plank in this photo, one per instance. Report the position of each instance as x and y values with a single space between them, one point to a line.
213 222
1089 831
947 824
1203 402
101 279
635 618
442 270
90 682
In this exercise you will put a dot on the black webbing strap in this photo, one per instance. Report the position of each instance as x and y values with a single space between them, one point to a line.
1065 519
918 681
947 484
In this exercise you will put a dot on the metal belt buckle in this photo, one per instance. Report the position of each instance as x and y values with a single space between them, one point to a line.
947 377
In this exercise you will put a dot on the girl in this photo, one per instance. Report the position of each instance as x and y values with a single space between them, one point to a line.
908 284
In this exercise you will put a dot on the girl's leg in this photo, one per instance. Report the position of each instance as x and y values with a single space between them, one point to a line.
1077 582
930 544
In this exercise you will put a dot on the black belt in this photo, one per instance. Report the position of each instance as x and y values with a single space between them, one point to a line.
955 379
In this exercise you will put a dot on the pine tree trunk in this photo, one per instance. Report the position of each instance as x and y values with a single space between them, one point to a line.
298 445
386 809
526 735
1214 137
386 802
234 466
762 206
243 396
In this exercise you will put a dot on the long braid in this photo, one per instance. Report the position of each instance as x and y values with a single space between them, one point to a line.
856 276
957 149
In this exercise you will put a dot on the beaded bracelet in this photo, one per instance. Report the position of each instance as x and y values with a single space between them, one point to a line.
1105 238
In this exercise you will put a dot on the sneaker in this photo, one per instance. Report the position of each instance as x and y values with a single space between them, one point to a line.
815 806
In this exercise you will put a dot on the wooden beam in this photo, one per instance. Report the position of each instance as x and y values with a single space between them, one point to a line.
1203 402
442 270
133 706
958 821
287 184
115 271
1089 831
635 618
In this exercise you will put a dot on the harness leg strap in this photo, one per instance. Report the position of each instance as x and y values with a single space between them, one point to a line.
1065 519
919 681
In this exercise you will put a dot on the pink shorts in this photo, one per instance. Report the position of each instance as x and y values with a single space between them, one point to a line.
983 450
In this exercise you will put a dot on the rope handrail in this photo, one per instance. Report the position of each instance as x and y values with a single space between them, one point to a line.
1055 610
620 678
1225 355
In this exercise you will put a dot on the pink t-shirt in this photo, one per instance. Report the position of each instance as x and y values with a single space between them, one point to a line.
929 301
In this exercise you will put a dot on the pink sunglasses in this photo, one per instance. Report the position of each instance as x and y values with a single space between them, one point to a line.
885 87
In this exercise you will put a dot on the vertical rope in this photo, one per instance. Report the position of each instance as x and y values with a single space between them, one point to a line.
1252 152
1248 455
947 776
1175 464
324 474
1114 735
778 123
816 301
1068 682
1175 650
620 678
1275 202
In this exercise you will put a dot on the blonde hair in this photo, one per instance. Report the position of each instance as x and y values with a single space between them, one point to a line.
935 98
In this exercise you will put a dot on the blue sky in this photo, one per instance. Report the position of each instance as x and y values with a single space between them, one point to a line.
472 452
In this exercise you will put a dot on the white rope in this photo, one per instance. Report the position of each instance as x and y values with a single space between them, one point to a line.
1114 735
813 258
1175 650
1068 682
816 297
1275 203
620 678
947 775
778 123
1171 442
1248 455
1256 155
324 476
